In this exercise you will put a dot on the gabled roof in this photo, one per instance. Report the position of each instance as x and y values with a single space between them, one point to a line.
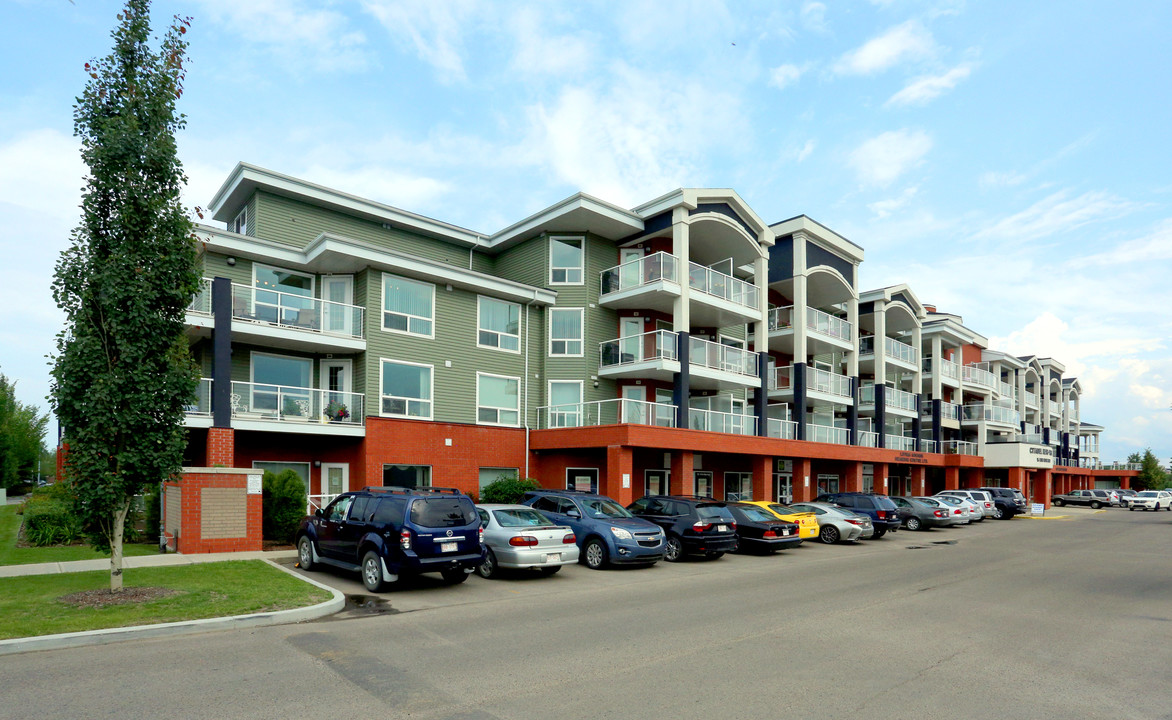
822 234
890 293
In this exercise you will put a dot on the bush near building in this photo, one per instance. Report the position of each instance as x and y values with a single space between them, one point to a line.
507 490
282 505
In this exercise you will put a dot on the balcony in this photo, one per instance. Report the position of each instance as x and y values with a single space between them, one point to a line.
973 375
716 284
647 283
899 442
949 371
199 411
713 365
716 421
1007 390
616 411
284 408
993 414
894 399
894 351
649 355
868 439
949 412
824 332
958 447
783 429
819 384
1031 399
827 434
201 304
928 446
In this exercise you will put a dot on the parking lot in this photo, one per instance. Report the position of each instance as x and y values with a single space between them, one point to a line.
1064 617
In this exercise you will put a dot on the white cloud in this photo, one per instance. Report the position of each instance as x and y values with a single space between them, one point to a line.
434 30
884 208
902 43
1153 248
881 159
1002 179
1151 396
1057 213
540 51
400 189
929 87
805 151
814 17
783 76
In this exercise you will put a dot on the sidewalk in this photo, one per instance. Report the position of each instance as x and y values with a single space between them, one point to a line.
140 561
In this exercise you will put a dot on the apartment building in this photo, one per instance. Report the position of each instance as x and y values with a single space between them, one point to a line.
685 345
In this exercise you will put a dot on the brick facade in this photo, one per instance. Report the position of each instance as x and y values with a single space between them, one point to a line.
216 514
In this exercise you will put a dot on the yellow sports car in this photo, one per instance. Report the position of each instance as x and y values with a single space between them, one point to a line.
807 522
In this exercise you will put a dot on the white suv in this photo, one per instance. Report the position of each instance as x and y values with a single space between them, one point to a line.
980 498
1151 500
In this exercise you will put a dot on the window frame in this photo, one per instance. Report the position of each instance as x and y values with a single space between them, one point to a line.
265 266
240 222
495 407
431 391
581 268
581 336
383 308
479 329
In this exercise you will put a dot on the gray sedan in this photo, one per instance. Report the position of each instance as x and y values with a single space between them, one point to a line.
517 536
837 524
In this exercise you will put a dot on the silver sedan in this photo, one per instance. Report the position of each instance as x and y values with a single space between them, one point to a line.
949 518
837 524
517 536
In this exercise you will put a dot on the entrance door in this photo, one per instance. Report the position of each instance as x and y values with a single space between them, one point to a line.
630 272
634 407
703 482
783 488
656 482
336 400
335 478
337 292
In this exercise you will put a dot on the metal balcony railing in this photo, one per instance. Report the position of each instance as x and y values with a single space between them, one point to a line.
892 398
1031 399
899 442
868 439
823 322
201 404
1007 390
722 357
958 447
992 413
296 404
656 345
715 283
781 318
639 272
717 421
615 411
974 375
782 429
928 446
948 368
827 434
817 380
897 350
297 312
202 302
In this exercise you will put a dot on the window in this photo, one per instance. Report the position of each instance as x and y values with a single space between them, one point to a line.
408 306
281 385
301 468
565 332
406 390
738 486
565 261
240 224
583 479
497 399
336 512
565 403
408 476
280 296
500 324
490 475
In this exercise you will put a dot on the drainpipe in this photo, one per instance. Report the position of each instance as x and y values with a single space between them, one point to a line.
525 401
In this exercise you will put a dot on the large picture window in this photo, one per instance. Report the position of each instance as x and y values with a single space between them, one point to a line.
277 382
565 403
565 331
408 306
406 390
497 399
565 261
279 296
499 325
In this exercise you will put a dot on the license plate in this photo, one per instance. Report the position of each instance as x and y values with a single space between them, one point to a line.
722 528
553 557
448 547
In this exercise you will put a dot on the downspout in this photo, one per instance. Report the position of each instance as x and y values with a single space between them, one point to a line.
527 381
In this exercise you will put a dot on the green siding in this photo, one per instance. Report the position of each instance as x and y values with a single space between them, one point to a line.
215 265
526 263
250 217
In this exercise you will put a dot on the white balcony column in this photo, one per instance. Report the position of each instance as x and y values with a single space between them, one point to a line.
761 280
1065 426
798 314
880 342
852 357
937 368
1021 392
681 310
917 342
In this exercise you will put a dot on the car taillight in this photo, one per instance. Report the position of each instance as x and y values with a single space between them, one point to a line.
481 536
701 526
405 539
957 512
523 541
732 525
854 521
939 513
769 534
569 539
988 504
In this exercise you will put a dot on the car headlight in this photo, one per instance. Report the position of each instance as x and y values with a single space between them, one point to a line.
621 534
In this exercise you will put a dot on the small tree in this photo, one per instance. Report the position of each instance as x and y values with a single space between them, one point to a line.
123 374
282 504
507 489
1151 475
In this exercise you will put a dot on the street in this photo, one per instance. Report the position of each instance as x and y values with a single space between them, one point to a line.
1031 618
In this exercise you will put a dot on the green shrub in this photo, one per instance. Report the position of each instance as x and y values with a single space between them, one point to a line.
50 521
507 489
283 505
152 507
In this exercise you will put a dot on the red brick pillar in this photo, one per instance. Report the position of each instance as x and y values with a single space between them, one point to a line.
1017 478
881 482
762 477
682 467
852 477
919 480
952 478
620 463
1125 482
803 483
974 477
1042 480
221 449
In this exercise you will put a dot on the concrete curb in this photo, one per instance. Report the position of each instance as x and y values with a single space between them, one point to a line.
185 627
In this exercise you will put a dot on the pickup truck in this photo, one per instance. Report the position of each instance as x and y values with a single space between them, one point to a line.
1095 498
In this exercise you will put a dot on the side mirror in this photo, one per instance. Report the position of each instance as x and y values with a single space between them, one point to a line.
573 514
317 513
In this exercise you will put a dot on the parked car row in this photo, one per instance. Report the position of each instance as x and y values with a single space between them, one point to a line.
1100 497
387 532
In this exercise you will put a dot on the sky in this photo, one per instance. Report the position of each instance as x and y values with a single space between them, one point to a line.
1008 160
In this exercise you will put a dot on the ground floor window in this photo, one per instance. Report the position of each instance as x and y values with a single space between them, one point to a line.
656 482
827 483
490 475
738 486
276 467
868 478
583 479
408 476
702 480
783 488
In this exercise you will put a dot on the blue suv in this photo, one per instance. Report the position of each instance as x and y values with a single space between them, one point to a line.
883 513
385 532
606 532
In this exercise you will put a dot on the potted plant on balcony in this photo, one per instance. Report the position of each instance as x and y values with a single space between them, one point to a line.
337 412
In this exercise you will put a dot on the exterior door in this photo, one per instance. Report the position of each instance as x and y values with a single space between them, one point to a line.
634 404
783 488
337 398
656 482
335 478
703 482
337 316
630 272
630 330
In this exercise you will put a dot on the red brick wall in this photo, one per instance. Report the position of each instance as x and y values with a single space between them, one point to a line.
221 448
190 539
253 446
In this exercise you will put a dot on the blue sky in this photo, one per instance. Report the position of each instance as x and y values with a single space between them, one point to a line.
1010 163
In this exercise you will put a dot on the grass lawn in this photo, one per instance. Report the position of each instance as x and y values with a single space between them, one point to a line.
12 555
29 605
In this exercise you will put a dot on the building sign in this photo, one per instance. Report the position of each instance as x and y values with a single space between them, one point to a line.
254 484
1037 509
913 458
1025 455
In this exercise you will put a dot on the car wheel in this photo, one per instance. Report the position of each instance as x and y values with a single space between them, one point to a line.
454 576
547 571
489 567
673 549
1059 502
997 513
372 572
1131 508
1096 505
305 553
829 534
878 534
595 554
1168 507
913 524
714 554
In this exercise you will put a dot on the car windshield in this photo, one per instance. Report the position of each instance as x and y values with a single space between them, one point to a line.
600 508
714 512
950 500
805 509
441 512
520 518
1148 493
783 510
884 502
757 514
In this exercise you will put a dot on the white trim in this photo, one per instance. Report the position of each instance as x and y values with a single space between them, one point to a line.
721 337
311 276
345 478
497 407
307 463
497 332
549 390
581 338
430 393
323 378
382 308
239 223
581 268
252 368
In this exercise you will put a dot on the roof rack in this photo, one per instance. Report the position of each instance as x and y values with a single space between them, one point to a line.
411 491
557 490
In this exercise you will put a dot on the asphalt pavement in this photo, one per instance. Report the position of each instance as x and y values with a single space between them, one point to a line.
1067 617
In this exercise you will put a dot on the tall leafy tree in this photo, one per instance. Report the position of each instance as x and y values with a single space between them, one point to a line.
1151 475
22 436
122 373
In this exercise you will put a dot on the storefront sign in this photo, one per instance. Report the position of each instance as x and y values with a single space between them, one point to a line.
1024 455
1037 509
911 457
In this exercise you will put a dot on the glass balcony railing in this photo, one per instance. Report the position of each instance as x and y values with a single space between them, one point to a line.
868 439
899 442
818 321
726 287
639 272
657 345
297 312
901 351
1007 390
201 404
817 380
716 421
948 369
892 398
781 318
296 404
950 411
974 375
606 412
992 413
827 434
928 446
781 378
202 302
783 429
1031 399
958 447
717 356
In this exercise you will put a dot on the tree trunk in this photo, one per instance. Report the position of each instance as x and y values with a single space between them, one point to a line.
116 547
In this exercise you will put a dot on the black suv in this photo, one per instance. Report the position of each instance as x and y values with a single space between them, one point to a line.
385 532
694 524
1009 501
883 513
